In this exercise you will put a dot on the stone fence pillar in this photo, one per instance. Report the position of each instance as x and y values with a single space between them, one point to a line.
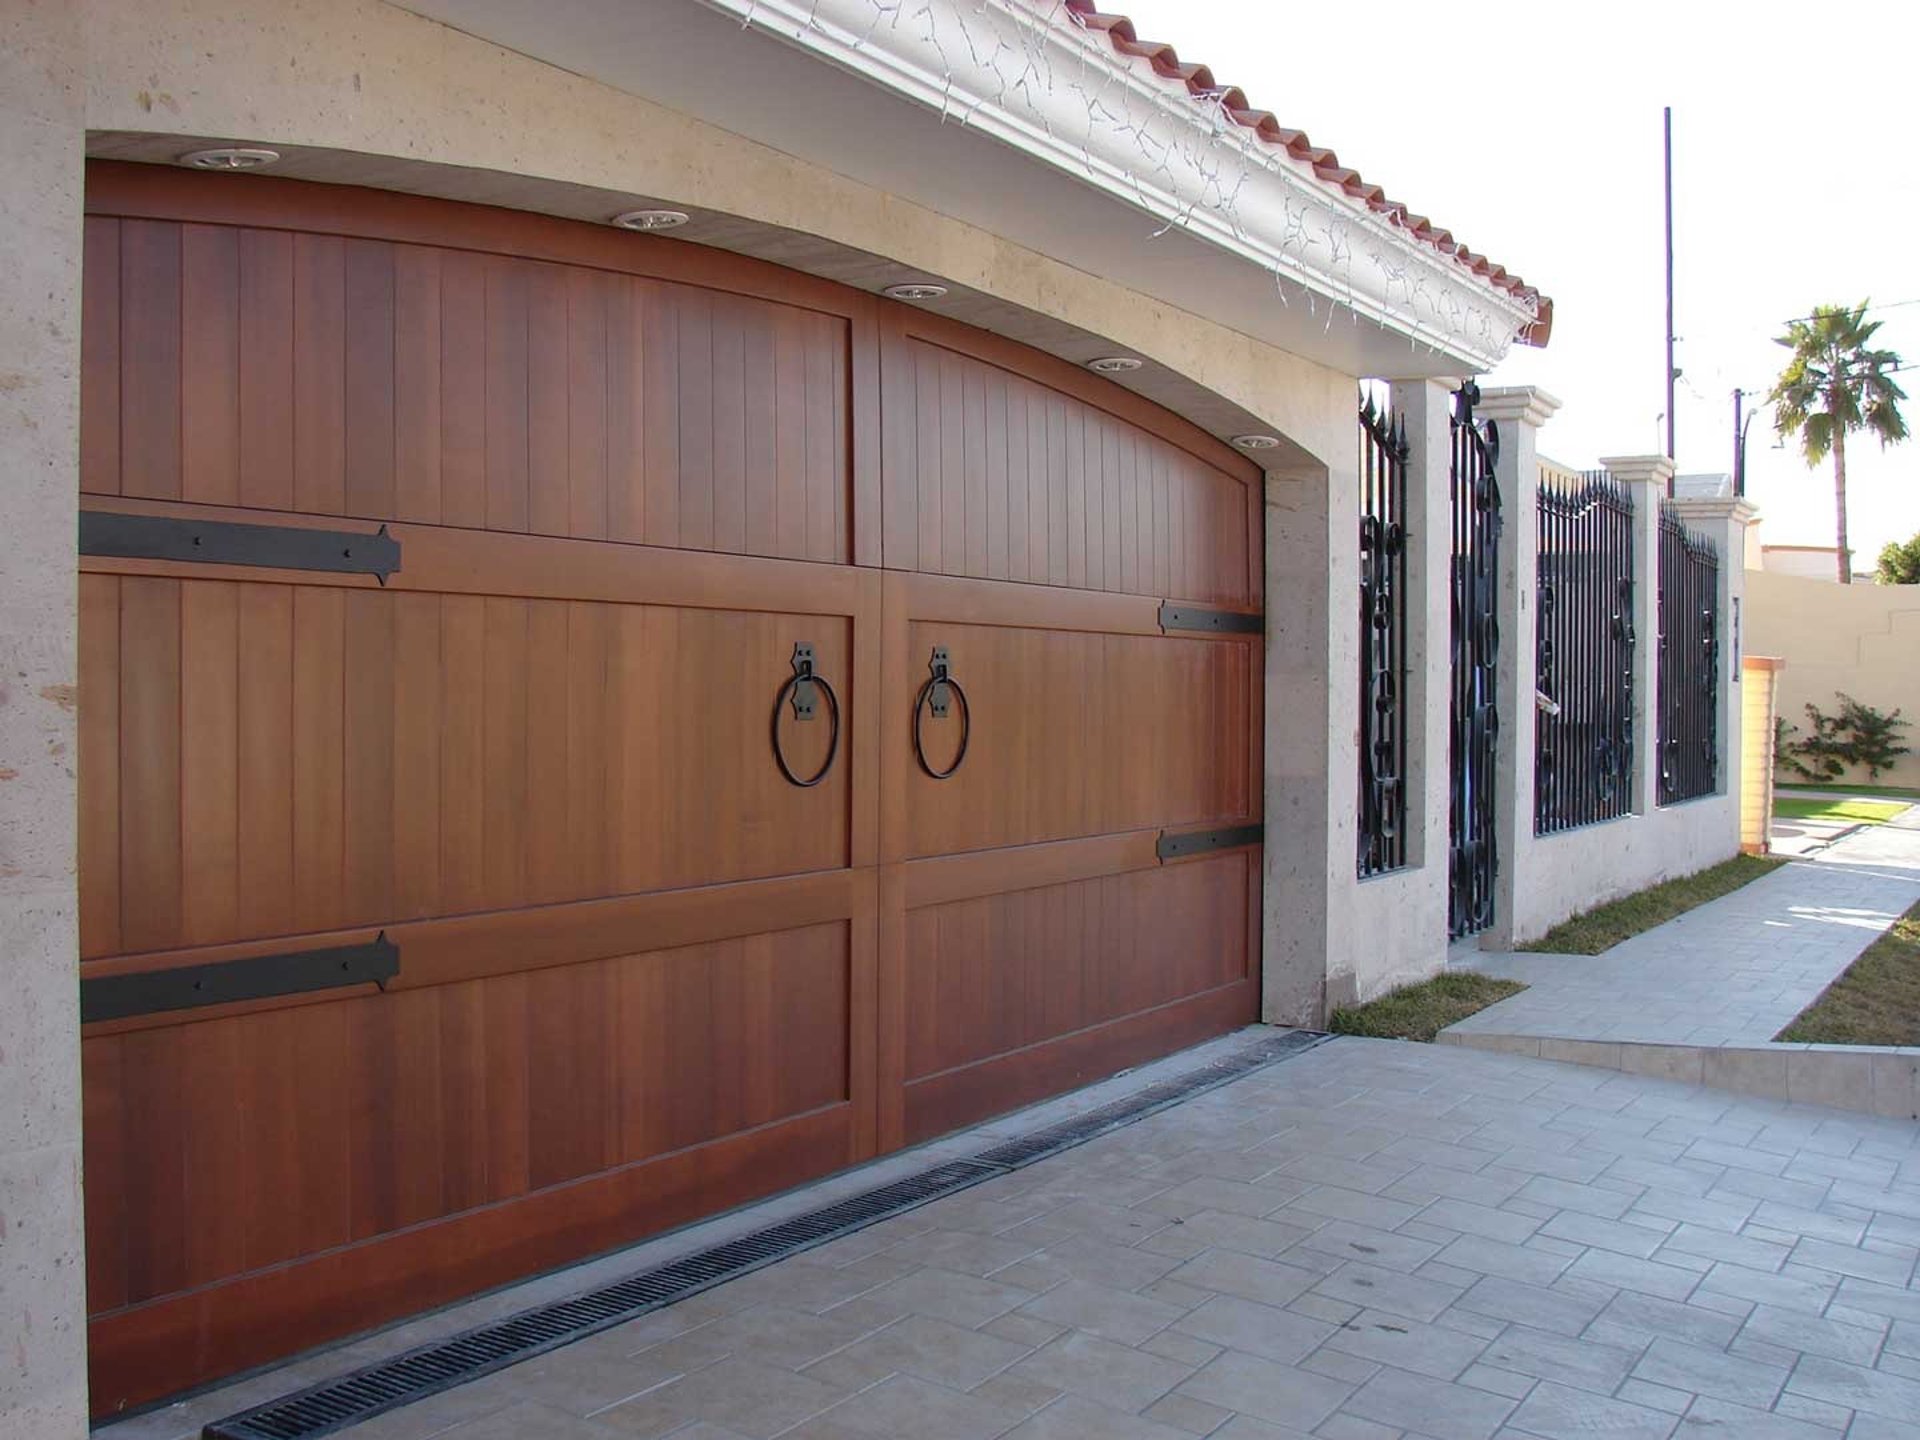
1519 411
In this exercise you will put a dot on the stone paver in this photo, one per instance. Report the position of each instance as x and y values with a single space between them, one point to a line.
1615 1280
1731 972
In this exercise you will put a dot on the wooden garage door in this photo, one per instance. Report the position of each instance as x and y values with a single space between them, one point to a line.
636 975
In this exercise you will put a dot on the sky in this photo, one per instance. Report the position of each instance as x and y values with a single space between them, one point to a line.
1532 131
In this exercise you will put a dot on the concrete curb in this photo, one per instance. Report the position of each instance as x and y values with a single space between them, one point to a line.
1874 1079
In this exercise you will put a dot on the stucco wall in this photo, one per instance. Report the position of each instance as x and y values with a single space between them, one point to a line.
1544 879
1860 639
42 1336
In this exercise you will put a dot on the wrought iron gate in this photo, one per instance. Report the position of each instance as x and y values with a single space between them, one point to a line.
1383 641
1584 641
1473 859
1689 662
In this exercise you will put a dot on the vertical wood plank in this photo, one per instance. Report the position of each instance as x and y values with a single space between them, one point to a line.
264 742
790 434
100 356
416 384
865 430
319 374
506 382
98 745
504 754
631 416
104 1104
418 716
661 367
319 832
973 428
826 503
149 763
549 371
695 310
463 389
953 466
995 475
587 303
368 298
588 769
266 369
210 364
760 414
368 748
150 359
730 422
550 873
209 761
841 550
899 427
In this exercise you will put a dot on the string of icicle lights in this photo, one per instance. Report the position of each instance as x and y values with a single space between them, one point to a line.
1188 159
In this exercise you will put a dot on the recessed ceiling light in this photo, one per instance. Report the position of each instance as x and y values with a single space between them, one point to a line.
231 157
1257 442
917 290
650 219
1114 364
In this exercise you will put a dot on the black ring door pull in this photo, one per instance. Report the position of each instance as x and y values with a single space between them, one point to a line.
933 699
801 686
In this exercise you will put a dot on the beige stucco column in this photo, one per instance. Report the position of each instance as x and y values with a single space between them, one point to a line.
1311 719
42 1311
1646 478
1519 411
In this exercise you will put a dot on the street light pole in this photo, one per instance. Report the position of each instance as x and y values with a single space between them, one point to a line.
1667 114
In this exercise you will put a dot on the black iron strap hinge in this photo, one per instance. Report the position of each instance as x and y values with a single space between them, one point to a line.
259 977
1198 842
226 542
1219 622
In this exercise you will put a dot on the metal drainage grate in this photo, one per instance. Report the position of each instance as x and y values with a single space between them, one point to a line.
1052 1139
332 1405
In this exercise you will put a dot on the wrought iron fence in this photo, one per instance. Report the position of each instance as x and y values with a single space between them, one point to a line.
1473 858
1689 667
1584 643
1383 641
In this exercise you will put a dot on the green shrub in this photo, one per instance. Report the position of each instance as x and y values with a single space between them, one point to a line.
1856 734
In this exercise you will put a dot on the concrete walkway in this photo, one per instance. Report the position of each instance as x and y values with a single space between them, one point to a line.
1701 997
1732 972
1373 1241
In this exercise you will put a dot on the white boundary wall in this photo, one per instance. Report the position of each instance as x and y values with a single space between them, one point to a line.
1398 928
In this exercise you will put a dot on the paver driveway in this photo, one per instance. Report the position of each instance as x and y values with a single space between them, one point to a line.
1371 1240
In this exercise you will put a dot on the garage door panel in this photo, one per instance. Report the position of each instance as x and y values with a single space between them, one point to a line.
259 1138
995 475
1076 733
999 973
293 759
336 375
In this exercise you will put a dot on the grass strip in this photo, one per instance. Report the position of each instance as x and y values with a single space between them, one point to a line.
1605 926
1839 812
1906 792
1875 1002
1422 1011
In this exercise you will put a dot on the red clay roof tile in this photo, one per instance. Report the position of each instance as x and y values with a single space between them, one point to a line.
1199 80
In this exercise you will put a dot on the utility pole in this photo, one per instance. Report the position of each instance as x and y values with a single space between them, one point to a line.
1672 374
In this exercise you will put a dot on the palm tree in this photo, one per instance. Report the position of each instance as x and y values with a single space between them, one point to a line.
1836 384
